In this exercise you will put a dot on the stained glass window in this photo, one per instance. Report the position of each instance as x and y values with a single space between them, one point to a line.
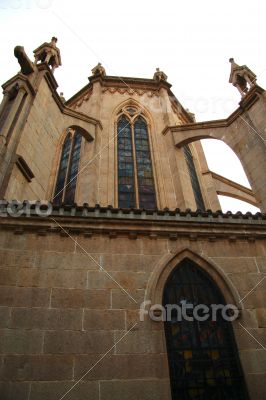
202 355
68 169
146 187
126 182
194 178
135 177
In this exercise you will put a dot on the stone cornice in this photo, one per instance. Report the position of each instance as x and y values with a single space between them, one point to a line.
128 83
159 223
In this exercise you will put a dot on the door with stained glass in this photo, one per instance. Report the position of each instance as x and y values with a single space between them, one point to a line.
202 355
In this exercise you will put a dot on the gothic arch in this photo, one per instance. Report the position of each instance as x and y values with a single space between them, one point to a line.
134 103
52 182
243 131
82 131
168 263
146 115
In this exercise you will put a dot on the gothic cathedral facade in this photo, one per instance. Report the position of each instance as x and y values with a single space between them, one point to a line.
110 217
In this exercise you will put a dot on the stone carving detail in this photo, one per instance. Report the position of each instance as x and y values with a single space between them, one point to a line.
48 53
159 75
241 77
81 100
129 91
98 70
24 61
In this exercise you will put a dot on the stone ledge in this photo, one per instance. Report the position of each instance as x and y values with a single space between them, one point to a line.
169 224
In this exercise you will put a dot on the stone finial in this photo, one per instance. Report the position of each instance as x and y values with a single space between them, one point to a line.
159 75
98 70
192 115
48 53
62 97
241 77
24 61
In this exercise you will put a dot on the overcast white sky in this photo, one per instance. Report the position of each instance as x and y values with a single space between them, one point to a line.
191 41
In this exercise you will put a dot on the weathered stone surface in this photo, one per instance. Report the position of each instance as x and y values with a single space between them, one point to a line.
52 278
261 317
248 281
253 338
140 342
45 318
103 244
253 361
4 317
104 320
70 342
61 260
24 297
14 391
127 299
8 276
121 262
154 246
236 265
20 341
254 299
257 386
77 298
126 279
17 258
136 389
49 390
37 368
119 366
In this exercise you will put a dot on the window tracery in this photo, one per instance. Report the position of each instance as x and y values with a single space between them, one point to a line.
136 186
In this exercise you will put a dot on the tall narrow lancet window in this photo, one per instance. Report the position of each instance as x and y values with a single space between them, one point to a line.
194 178
146 189
68 169
202 354
126 173
136 186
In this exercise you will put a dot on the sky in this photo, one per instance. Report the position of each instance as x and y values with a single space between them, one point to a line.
191 41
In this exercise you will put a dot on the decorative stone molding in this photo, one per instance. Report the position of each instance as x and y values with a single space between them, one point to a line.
78 103
168 263
130 91
171 224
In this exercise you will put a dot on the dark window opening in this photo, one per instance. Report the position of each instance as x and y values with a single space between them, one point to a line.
194 178
202 355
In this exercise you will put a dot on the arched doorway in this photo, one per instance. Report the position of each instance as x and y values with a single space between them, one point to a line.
202 355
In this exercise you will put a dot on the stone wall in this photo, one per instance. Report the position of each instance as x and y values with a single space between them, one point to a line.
61 312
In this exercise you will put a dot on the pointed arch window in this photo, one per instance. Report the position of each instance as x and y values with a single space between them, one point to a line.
136 186
202 355
68 169
194 178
